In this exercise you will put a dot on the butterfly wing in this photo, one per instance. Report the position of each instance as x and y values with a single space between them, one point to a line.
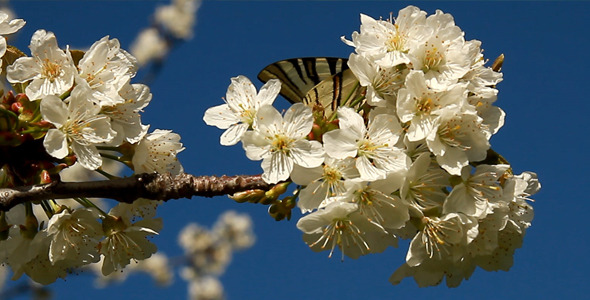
340 89
299 76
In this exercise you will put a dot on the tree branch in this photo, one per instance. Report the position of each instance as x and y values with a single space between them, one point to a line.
150 186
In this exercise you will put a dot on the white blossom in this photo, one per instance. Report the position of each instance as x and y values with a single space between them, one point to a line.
281 142
517 192
125 240
205 288
74 237
424 184
7 26
382 83
373 147
236 229
242 104
442 238
205 251
141 207
475 193
26 251
339 225
323 182
420 105
502 257
432 272
125 116
51 70
444 55
179 17
158 266
157 152
388 43
458 140
376 202
106 68
79 127
492 116
148 46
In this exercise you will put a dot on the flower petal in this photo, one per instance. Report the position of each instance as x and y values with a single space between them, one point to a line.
233 134
54 110
277 167
268 92
88 156
220 116
56 144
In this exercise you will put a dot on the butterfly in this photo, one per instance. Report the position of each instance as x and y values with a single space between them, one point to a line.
324 81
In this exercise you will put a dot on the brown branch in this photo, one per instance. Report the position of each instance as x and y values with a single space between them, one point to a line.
151 186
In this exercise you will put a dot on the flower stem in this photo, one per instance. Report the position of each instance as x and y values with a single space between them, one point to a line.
106 174
36 130
87 203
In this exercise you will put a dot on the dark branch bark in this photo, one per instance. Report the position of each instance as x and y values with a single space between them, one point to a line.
151 186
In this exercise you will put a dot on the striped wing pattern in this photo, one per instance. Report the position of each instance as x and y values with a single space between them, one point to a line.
299 76
339 89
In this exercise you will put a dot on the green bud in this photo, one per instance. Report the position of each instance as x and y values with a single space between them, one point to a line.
277 190
290 202
282 209
252 196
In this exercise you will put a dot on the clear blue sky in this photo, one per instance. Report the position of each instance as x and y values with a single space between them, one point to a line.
544 94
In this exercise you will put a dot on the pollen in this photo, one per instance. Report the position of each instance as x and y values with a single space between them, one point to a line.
387 82
452 135
432 59
396 42
344 234
51 70
280 143
331 174
434 237
424 105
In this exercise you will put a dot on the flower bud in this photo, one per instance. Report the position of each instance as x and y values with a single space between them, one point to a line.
8 99
70 160
252 196
282 209
332 125
44 177
316 133
277 190
16 107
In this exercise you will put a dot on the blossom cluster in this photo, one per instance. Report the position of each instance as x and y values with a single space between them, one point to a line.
414 161
209 252
172 23
75 109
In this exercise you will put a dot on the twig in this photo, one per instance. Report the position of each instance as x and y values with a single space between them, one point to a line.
153 186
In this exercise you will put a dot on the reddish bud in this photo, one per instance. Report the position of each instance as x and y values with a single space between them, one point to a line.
70 160
21 97
8 99
44 177
16 107
316 132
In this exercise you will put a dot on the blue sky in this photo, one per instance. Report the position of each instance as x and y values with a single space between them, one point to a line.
546 45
